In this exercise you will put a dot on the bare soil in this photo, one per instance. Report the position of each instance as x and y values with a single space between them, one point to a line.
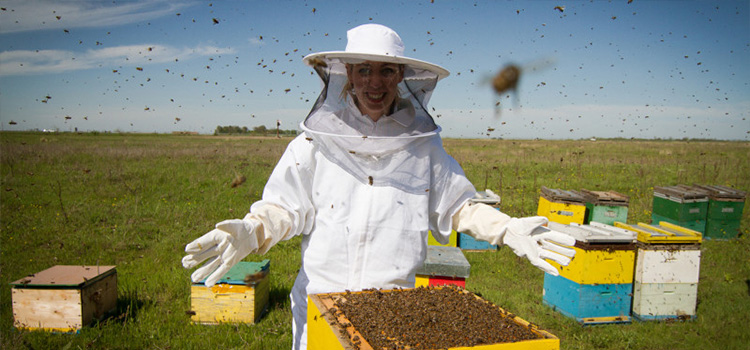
429 318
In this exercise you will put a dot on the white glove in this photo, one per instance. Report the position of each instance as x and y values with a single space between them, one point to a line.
223 247
527 237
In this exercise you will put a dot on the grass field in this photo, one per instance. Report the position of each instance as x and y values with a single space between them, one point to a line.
134 201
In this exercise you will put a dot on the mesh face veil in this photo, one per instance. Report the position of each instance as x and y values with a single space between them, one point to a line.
331 121
334 123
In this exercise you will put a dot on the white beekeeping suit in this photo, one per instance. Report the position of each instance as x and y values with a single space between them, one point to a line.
364 194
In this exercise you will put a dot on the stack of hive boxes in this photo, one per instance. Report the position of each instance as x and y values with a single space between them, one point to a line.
443 265
666 271
596 286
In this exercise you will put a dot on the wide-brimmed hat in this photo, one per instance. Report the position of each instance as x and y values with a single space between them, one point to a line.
373 42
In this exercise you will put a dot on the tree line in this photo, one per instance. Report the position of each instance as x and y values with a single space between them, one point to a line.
255 131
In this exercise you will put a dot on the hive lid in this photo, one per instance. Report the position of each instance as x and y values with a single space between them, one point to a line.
558 195
681 193
65 276
723 192
445 261
664 232
595 233
486 197
610 198
238 273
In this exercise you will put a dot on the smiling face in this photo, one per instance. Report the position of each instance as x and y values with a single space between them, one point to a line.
375 86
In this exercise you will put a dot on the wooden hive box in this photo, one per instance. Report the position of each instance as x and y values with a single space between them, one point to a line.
605 206
725 206
667 271
443 265
64 298
562 206
330 328
596 286
241 296
682 205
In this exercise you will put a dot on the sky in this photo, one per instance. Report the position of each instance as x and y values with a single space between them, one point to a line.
589 69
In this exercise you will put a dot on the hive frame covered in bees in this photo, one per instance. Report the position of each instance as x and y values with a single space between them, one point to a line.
330 330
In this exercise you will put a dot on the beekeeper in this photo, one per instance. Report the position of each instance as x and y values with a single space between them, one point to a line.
365 183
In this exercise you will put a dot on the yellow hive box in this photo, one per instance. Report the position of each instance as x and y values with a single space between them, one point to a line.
64 298
240 296
604 254
599 266
452 240
561 206
328 330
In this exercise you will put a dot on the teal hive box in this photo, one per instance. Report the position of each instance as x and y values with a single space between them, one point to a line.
605 207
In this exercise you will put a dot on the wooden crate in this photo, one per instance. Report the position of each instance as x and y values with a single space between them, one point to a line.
64 298
443 265
562 206
328 330
235 298
596 286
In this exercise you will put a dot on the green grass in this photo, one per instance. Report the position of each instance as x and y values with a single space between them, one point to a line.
135 200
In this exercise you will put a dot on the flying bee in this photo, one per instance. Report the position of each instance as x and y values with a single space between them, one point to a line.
507 79
317 62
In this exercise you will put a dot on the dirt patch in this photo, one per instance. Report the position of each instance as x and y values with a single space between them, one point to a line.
429 318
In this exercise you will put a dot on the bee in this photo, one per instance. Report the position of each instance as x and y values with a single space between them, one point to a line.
506 79
253 278
370 180
317 62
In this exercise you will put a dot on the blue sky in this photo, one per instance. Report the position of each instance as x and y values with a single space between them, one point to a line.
644 69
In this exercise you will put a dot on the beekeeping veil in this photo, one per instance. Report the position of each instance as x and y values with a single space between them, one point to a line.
381 155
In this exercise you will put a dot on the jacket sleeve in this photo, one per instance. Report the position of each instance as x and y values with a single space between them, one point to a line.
481 221
286 209
449 192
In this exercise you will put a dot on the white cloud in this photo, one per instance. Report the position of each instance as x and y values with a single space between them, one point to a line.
30 15
25 62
